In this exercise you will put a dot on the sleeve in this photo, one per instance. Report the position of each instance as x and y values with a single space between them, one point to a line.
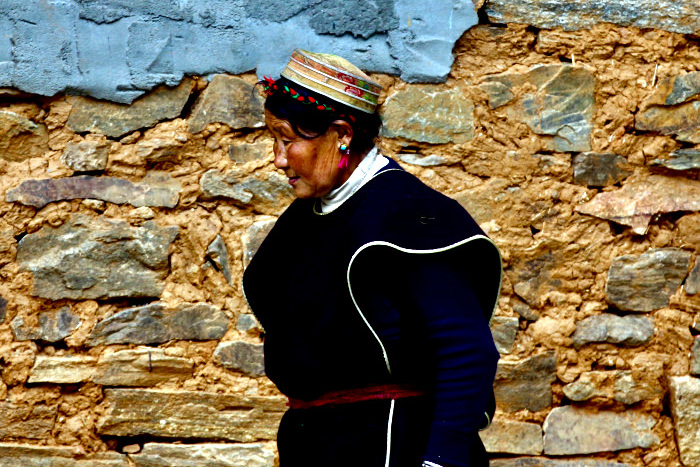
462 353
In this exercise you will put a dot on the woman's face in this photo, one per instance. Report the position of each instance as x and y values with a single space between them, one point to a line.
310 164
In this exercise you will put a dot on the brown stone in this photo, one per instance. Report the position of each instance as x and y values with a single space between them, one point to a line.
685 407
24 455
141 367
183 414
116 120
242 153
228 100
513 438
621 386
526 384
157 190
86 156
598 170
20 138
204 455
26 421
422 113
641 198
63 369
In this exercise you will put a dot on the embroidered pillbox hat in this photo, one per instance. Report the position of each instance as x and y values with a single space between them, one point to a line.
333 77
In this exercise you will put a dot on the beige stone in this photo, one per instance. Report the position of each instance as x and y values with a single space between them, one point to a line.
26 421
513 438
25 455
20 138
144 366
62 369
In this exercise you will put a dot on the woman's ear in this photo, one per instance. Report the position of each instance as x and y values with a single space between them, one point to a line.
344 131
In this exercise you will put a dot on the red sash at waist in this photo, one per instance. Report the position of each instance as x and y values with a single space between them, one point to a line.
382 391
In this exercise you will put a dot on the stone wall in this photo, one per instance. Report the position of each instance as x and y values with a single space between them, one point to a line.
571 135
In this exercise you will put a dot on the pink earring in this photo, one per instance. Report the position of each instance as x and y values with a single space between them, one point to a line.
345 158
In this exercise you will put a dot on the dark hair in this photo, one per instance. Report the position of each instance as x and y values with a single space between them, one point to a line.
309 122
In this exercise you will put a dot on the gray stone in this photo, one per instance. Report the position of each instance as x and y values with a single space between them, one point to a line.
116 120
504 330
159 150
611 385
544 462
86 156
190 415
671 109
155 324
268 193
526 384
513 438
561 106
26 455
570 431
671 15
218 254
242 153
423 161
629 331
62 369
646 282
53 326
156 189
241 356
228 100
643 197
26 421
422 113
141 367
692 282
3 309
600 169
95 258
362 18
204 455
525 311
253 238
685 407
20 138
682 159
695 358
247 322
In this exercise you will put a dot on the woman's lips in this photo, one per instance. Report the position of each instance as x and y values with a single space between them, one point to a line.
293 180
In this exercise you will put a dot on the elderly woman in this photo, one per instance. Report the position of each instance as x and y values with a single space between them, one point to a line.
375 291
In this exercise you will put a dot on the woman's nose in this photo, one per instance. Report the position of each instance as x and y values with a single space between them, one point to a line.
280 156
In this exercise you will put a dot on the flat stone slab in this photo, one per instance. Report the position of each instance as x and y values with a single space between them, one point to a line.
670 110
242 153
245 357
641 198
116 120
561 106
571 431
26 421
646 282
267 193
421 113
600 169
228 100
184 414
62 369
682 159
526 384
96 258
155 190
630 330
54 326
155 324
544 462
508 437
20 138
685 407
621 386
204 455
26 455
671 15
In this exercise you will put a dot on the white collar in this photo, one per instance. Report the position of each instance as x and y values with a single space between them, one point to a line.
370 165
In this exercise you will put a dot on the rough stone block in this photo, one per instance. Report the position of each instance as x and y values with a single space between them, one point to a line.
421 113
228 100
631 330
621 386
62 369
204 455
646 282
641 198
544 462
141 367
570 431
20 138
53 326
24 455
254 236
155 324
561 106
268 193
685 407
513 438
247 322
241 356
182 414
504 330
423 161
3 309
600 169
695 358
682 159
526 384
86 156
26 421
218 254
156 189
95 258
116 120
242 153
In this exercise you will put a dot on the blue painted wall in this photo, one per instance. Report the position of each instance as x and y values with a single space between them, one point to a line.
119 49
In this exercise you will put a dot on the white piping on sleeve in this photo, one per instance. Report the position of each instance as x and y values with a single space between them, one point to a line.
412 251
388 433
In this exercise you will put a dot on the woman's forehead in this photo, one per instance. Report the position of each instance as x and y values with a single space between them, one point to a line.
277 124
